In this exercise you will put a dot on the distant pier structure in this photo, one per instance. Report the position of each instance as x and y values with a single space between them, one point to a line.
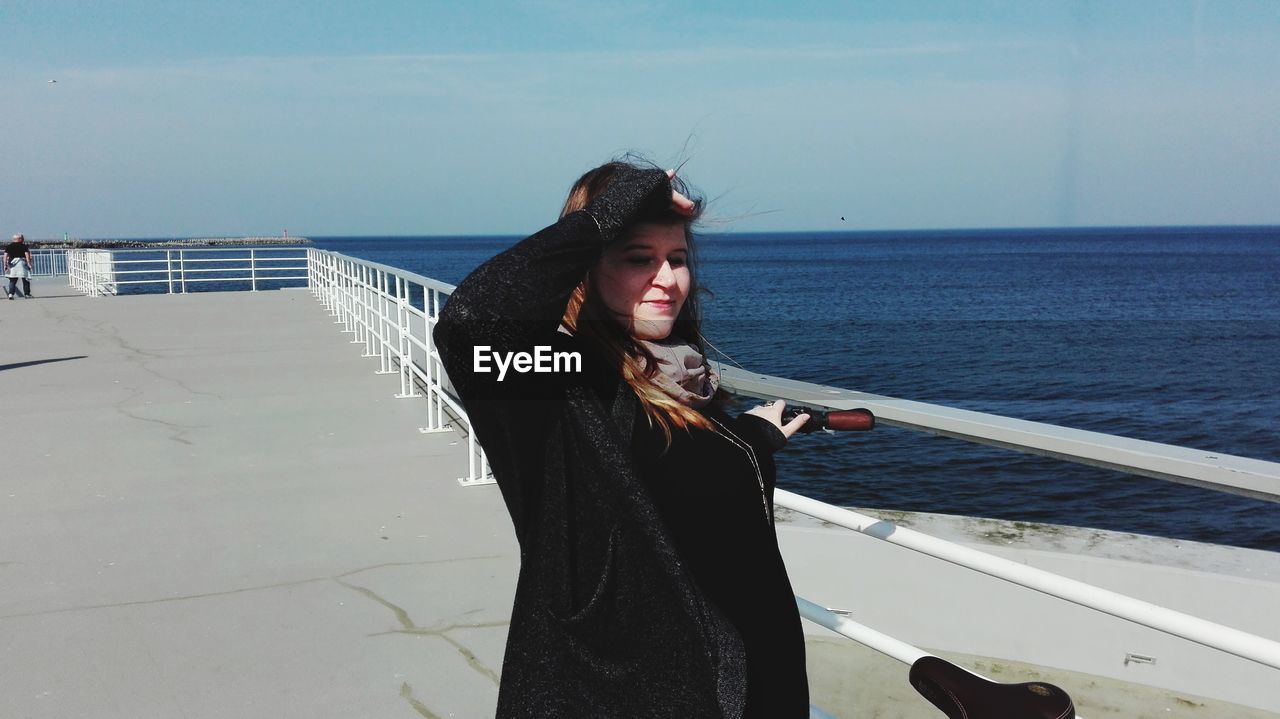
153 244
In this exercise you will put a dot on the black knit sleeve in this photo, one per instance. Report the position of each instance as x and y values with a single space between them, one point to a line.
763 436
632 193
516 300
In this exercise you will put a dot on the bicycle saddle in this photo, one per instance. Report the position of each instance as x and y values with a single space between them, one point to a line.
963 695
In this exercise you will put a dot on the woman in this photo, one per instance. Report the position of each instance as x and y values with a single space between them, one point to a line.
650 583
17 263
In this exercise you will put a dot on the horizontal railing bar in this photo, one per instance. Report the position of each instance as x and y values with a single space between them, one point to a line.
176 264
425 282
192 270
879 641
1200 631
177 272
234 279
189 270
203 279
176 260
188 251
187 264
1254 478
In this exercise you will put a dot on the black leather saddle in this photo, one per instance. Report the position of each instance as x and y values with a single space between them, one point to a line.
963 695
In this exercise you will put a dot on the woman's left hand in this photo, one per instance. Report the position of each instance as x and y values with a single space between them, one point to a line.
773 413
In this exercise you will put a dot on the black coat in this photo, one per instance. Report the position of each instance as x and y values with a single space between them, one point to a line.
607 620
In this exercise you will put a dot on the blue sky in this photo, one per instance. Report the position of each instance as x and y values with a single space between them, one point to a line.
199 118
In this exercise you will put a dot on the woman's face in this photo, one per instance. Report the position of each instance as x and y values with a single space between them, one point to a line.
644 279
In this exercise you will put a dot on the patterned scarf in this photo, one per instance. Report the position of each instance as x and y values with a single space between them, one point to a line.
683 372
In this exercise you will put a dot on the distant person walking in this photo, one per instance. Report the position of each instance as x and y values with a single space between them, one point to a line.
17 263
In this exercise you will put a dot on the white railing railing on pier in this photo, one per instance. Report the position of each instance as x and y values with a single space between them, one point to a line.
90 272
98 272
392 313
48 263
1210 634
1254 478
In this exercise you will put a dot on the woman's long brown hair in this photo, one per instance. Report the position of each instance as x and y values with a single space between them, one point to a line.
588 317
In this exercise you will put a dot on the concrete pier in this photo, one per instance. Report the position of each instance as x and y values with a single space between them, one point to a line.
211 506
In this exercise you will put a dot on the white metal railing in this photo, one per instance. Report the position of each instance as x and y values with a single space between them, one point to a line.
392 313
373 302
89 271
1226 473
47 263
1254 478
1227 639
99 272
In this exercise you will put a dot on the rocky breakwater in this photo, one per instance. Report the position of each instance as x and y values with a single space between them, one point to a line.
157 244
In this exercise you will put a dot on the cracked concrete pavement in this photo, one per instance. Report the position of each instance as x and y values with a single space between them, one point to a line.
211 506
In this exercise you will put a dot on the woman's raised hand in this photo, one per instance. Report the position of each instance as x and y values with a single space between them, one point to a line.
773 413
679 202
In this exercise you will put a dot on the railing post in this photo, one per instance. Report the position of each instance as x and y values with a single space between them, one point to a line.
253 270
344 292
332 287
368 292
182 270
407 388
168 265
384 323
428 361
433 355
349 298
357 302
435 372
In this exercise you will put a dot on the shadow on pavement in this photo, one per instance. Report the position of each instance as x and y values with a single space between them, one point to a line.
17 365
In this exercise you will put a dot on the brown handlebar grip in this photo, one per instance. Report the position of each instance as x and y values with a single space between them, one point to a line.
851 420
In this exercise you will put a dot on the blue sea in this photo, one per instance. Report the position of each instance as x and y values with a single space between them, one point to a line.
1164 334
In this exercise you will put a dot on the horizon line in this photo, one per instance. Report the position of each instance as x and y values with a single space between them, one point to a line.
876 231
